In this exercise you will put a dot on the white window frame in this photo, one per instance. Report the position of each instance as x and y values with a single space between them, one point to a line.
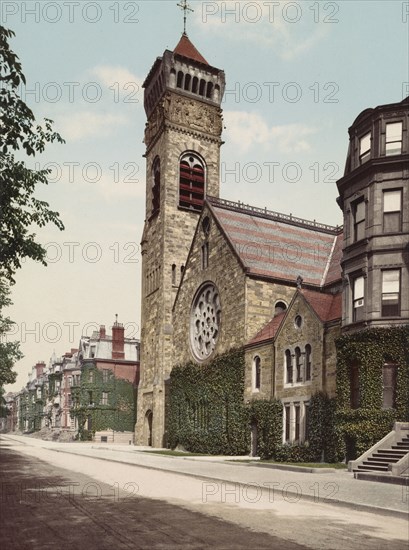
364 149
392 138
292 403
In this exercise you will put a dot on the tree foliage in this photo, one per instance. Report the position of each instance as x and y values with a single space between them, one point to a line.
20 211
9 351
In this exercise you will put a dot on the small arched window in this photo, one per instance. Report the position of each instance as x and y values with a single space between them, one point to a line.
156 186
180 79
209 90
308 362
279 307
257 372
288 367
174 274
191 182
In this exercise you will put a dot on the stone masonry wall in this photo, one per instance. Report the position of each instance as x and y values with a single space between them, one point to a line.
225 271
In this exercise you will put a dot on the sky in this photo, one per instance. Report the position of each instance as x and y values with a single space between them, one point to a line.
297 73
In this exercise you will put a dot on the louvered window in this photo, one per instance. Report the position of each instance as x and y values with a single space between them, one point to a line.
191 183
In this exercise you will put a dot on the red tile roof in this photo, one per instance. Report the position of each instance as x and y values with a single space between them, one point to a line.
187 49
333 273
269 331
326 306
278 246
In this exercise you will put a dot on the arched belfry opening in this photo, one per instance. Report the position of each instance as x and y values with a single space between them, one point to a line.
191 181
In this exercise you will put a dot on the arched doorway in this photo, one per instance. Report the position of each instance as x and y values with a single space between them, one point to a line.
254 437
148 428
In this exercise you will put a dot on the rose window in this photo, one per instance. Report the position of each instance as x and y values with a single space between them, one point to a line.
205 321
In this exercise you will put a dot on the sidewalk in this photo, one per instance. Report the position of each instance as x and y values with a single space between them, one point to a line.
336 487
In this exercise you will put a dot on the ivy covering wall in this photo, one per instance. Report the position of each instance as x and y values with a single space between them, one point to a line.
368 351
88 407
206 412
267 416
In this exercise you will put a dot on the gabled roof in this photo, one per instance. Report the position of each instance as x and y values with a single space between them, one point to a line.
269 331
187 49
278 246
326 306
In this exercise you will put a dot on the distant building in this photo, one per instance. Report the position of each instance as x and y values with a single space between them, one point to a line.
87 390
103 397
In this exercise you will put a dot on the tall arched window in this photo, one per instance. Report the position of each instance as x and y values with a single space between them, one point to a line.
191 182
257 373
209 90
188 79
308 362
156 186
288 367
298 364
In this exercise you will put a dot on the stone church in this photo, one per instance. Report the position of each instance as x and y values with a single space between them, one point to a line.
219 275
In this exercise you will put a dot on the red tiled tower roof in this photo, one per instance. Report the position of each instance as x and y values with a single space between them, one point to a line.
187 49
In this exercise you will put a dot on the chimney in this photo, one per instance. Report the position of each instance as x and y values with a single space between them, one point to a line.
118 333
39 367
102 331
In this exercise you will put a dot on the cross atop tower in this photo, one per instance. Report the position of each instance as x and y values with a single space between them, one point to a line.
185 7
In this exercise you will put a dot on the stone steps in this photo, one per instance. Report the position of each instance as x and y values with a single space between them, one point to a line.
380 460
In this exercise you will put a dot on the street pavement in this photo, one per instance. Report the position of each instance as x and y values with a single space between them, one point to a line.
338 488
256 507
41 510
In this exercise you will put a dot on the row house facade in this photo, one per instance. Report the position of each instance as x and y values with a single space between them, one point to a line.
87 393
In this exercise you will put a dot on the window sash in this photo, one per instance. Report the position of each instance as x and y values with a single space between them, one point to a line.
359 220
393 131
358 288
390 281
393 142
391 293
365 147
392 201
358 299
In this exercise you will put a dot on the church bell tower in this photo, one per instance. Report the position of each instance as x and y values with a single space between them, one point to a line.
182 98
